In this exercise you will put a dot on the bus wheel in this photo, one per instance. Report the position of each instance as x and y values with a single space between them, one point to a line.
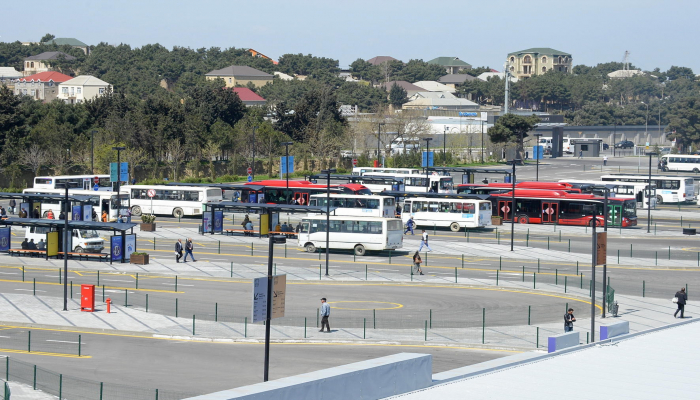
659 200
695 170
454 227
78 250
523 219
310 248
360 250
177 212
136 211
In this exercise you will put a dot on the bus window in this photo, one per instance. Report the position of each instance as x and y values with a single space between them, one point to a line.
407 207
445 207
457 208
468 208
433 206
372 203
389 202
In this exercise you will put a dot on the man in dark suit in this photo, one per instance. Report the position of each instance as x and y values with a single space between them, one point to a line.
682 299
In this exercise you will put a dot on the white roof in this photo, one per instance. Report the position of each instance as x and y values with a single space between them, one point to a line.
85 80
283 76
625 73
9 73
441 102
432 95
486 75
433 86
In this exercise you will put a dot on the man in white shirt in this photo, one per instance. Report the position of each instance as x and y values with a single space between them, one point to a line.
325 313
424 241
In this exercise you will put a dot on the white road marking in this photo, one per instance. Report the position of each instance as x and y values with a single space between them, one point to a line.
9 273
117 280
63 341
30 290
172 284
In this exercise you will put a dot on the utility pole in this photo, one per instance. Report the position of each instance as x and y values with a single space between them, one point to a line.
506 75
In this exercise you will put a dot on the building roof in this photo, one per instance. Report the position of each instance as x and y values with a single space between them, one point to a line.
449 62
9 73
541 50
446 100
432 86
283 76
239 70
381 59
47 77
407 86
246 94
85 80
50 55
432 95
625 73
69 41
456 78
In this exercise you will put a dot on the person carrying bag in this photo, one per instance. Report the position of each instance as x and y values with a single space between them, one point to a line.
416 264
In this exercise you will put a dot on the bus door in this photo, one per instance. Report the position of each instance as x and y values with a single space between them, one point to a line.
504 209
550 211
301 198
614 214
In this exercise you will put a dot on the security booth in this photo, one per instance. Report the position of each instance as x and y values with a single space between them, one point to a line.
587 147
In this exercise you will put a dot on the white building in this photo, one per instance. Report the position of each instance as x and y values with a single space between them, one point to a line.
82 88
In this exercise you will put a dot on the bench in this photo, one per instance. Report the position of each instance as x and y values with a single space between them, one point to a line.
31 253
288 234
246 232
86 256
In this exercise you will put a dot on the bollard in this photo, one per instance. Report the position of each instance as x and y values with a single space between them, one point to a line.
496 277
275 269
304 327
538 265
126 298
193 321
59 276
34 286
35 373
569 245
534 280
389 256
219 246
137 280
630 249
176 283
463 260
285 250
430 318
365 271
98 278
245 327
547 242
80 345
523 273
60 386
483 326
556 277
538 338
577 268
528 314
364 328
29 341
426 331
455 274
176 307
231 269
103 293
426 258
354 257
618 256
71 289
154 242
23 273
251 249
500 262
146 302
581 286
527 239
644 288
411 273
669 252
587 336
565 283
109 305
656 258
216 312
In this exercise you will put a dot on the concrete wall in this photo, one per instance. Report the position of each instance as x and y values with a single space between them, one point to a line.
563 341
639 134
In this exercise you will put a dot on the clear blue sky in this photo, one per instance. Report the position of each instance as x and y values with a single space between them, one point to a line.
657 33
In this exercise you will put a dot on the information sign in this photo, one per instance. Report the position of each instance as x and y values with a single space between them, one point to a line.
602 248
279 290
259 299
428 159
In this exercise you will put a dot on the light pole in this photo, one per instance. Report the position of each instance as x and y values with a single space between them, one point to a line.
605 229
594 250
512 205
379 135
444 146
427 164
537 155
252 167
328 173
482 141
119 177
268 318
649 198
286 167
66 249
92 151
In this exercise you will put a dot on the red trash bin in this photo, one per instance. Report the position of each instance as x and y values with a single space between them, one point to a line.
87 298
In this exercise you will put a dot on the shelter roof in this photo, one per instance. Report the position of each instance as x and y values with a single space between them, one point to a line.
59 223
250 207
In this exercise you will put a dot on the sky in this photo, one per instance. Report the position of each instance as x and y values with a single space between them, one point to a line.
482 33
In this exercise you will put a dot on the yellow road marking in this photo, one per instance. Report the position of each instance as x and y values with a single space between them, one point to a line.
106 287
41 353
397 305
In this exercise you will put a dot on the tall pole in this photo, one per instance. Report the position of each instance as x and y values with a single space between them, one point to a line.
119 178
649 198
507 76
268 317
286 168
379 135
512 208
328 215
427 164
482 141
252 167
536 152
444 146
594 249
92 151
605 265
66 250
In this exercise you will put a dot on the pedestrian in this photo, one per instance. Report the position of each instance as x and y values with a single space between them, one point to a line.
128 215
416 263
580 154
569 320
398 211
120 219
409 226
681 299
62 215
605 160
94 215
298 228
50 215
189 246
41 245
3 213
37 213
25 244
23 213
178 250
249 229
424 241
104 215
325 313
245 221
31 245
278 227
13 206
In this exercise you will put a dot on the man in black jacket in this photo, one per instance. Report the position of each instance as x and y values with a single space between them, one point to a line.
178 250
682 298
569 320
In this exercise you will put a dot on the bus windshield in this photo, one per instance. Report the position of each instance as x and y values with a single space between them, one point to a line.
630 209
88 233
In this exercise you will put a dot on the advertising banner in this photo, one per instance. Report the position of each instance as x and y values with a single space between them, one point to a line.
219 221
129 246
206 222
51 244
5 236
116 248
77 214
87 212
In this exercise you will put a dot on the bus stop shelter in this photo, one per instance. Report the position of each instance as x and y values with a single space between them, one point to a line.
468 174
33 198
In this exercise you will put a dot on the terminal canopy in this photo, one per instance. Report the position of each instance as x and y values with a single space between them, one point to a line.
39 197
264 208
59 223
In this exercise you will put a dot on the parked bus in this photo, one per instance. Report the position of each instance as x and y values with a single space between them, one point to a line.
454 213
419 183
360 234
275 191
100 201
623 190
77 182
680 162
669 189
360 171
177 201
473 188
559 207
357 205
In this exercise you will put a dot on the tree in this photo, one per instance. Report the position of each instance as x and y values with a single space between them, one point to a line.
47 37
674 73
34 157
397 96
512 128
11 126
175 156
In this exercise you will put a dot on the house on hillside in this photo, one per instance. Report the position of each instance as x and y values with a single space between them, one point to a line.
240 75
381 60
256 53
42 86
249 97
452 65
439 101
70 42
82 88
537 61
455 79
432 86
410 88
625 73
8 76
484 76
42 62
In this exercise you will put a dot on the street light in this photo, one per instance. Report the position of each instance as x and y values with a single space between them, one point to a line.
328 173
379 135
444 146
512 204
119 177
427 163
594 254
274 239
252 167
649 198
482 141
537 154
605 229
286 167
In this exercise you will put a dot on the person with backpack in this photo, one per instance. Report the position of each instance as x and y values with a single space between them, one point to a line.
13 206
424 241
178 250
416 263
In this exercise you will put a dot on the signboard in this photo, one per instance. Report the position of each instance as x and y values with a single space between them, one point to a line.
51 244
119 173
77 214
427 159
116 249
219 221
279 293
538 152
206 222
129 246
5 237
287 165
249 170
467 114
151 193
87 212
96 188
259 299
250 178
96 180
354 162
602 248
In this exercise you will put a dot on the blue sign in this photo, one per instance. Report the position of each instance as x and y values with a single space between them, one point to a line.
5 239
286 166
467 114
218 221
538 152
250 178
428 159
96 187
77 213
116 247
122 171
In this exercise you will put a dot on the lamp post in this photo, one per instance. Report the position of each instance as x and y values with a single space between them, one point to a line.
66 249
427 164
537 155
444 146
252 167
482 141
328 173
92 151
649 197
379 135
594 249
512 205
274 239
286 167
119 165
605 229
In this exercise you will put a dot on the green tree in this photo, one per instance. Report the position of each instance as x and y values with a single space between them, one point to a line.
12 139
512 128
397 96
46 38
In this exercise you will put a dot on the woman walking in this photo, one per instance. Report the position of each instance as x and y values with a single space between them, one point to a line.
416 263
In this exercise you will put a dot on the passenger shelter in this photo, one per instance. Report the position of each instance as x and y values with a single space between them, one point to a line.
587 147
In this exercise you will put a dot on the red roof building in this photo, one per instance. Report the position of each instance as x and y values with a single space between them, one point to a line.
42 86
249 97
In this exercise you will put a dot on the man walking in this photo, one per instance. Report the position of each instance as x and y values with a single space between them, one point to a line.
409 225
178 250
569 320
424 241
325 313
188 249
682 298
605 160
13 205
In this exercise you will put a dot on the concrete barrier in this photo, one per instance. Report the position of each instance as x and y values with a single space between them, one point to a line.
615 329
371 379
558 342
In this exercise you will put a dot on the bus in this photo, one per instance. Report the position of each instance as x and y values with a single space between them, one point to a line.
680 162
623 190
357 205
360 171
79 182
475 188
669 189
453 213
419 183
559 207
100 201
275 191
177 201
359 234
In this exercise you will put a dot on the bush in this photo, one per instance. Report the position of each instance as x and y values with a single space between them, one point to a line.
148 218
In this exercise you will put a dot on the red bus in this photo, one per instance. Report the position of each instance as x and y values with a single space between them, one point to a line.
559 207
274 191
473 188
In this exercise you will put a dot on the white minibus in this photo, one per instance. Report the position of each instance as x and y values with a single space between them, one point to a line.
357 205
360 234
453 213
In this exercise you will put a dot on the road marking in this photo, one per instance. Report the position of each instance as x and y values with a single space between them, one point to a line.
9 273
63 341
117 280
31 290
172 284
42 353
60 284
396 305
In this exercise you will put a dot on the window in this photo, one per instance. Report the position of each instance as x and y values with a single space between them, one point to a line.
72 91
560 59
229 80
527 60
512 69
584 147
468 208
102 90
24 91
512 59
64 90
544 69
544 60
32 64
33 92
79 90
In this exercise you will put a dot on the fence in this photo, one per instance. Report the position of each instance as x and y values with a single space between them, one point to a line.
5 393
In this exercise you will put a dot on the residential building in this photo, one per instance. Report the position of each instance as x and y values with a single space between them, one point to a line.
8 76
283 76
82 88
439 101
625 73
381 60
249 97
432 86
452 65
70 42
42 62
537 61
455 79
240 75
43 86
256 53
410 88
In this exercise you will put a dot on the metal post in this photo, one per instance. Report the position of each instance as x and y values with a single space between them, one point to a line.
65 253
328 213
483 325
594 248
252 167
268 318
605 264
512 202
649 198
286 168
427 163
80 344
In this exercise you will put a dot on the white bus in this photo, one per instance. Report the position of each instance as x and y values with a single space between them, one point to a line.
360 234
100 201
75 182
669 189
455 213
177 201
680 162
357 205
359 171
625 190
419 183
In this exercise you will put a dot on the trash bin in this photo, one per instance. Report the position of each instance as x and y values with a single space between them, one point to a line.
87 298
689 231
